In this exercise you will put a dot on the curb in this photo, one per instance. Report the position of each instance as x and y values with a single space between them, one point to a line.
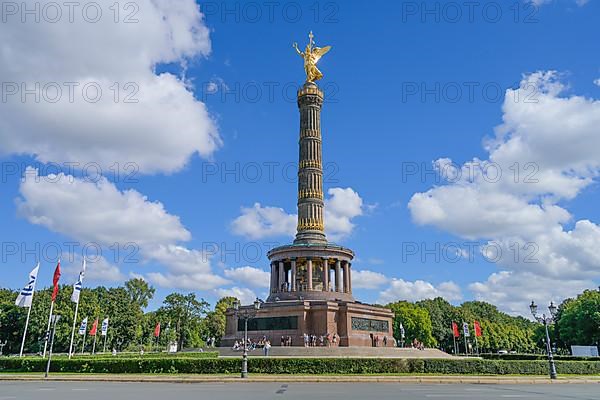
301 379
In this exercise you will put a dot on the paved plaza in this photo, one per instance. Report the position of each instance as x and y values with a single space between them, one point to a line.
313 391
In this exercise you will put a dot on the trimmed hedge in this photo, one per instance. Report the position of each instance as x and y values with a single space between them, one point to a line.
206 354
535 357
316 366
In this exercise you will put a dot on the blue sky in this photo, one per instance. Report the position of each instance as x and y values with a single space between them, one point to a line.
405 86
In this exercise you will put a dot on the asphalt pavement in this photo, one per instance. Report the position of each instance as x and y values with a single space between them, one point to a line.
305 391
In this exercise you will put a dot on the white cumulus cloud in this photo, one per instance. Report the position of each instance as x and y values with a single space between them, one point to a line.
543 154
249 276
400 289
260 222
366 279
97 97
244 295
99 213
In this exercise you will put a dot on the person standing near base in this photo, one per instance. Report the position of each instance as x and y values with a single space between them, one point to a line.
266 348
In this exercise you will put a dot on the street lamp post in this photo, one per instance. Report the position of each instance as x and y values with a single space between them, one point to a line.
546 321
245 314
53 320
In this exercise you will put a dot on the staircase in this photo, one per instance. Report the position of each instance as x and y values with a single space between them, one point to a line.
340 352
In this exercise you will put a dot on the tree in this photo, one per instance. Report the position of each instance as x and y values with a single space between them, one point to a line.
185 312
415 320
579 319
214 323
139 292
442 314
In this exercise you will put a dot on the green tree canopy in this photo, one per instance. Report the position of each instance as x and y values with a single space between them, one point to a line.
416 322
579 319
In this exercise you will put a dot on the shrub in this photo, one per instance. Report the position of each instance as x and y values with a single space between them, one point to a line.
316 366
535 357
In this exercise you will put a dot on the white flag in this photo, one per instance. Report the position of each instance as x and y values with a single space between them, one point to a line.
83 327
466 329
26 295
105 327
78 285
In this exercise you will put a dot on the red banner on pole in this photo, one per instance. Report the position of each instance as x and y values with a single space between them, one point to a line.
477 328
94 328
455 329
55 281
157 330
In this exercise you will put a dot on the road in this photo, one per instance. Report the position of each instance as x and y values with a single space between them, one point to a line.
304 391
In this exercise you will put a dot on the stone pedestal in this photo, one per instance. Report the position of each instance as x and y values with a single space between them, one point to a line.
355 324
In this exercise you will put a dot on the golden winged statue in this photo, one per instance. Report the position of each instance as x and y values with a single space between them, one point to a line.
311 55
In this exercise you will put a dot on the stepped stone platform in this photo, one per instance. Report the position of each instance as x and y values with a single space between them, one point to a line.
340 352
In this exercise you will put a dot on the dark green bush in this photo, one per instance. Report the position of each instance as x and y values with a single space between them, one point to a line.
535 357
207 354
313 366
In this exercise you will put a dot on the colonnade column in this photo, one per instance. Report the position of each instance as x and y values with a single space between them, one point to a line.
293 275
325 274
273 278
338 265
281 276
350 278
346 277
309 268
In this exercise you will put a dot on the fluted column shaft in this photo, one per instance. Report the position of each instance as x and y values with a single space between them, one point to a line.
293 275
273 278
309 269
346 277
338 267
281 275
325 275
311 227
350 278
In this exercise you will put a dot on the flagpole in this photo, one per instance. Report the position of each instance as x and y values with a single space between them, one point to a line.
77 287
26 326
454 340
48 329
465 336
84 335
73 332
105 337
94 346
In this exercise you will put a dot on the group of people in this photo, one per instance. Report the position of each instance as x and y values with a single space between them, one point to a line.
262 343
417 344
286 341
376 340
311 340
329 339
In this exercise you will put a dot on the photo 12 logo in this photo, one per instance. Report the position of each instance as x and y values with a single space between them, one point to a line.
93 172
72 92
252 12
446 171
467 92
454 12
454 252
255 172
127 253
256 92
52 12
